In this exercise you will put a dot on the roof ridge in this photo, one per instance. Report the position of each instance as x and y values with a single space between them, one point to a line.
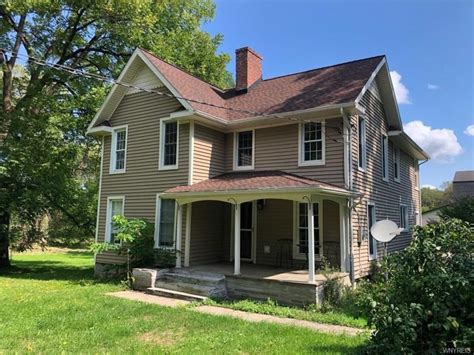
183 70
325 67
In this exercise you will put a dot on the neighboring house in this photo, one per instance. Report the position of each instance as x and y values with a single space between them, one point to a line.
463 184
235 176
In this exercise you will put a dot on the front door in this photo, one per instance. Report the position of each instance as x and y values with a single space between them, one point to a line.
246 231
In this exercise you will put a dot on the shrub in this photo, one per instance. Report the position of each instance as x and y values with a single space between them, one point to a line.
426 304
461 209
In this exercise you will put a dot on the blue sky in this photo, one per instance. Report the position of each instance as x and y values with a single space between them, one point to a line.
429 44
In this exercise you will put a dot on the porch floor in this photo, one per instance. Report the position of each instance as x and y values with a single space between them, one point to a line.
263 272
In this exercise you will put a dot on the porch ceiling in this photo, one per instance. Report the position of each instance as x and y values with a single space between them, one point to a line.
240 187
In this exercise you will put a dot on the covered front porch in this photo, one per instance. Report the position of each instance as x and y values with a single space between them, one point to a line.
266 226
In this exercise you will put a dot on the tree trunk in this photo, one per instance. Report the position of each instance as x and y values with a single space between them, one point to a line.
4 239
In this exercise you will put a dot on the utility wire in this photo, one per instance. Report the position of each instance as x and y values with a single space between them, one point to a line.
81 73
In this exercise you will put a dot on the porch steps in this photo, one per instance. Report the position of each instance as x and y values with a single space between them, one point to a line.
204 284
175 294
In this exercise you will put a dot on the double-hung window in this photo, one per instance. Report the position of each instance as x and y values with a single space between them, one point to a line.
370 222
312 145
302 229
385 157
115 207
165 223
416 173
396 164
244 150
169 145
404 217
119 150
362 144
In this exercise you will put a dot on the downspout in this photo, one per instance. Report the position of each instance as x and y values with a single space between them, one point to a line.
348 141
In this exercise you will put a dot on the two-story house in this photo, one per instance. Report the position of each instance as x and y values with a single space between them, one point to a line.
275 172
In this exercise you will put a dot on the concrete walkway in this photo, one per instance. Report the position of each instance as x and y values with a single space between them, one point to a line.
250 317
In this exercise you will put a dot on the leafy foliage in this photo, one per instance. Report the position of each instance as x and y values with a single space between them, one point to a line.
434 198
426 304
49 165
461 209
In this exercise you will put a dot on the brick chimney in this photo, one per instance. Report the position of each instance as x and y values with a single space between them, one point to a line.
248 68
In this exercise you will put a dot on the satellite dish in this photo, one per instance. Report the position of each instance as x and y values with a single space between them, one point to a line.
385 230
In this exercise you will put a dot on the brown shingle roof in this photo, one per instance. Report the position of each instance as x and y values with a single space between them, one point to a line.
335 84
464 176
261 180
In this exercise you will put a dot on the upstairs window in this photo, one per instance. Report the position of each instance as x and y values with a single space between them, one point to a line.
244 146
166 211
169 145
312 143
114 208
119 150
404 217
417 174
385 157
396 164
362 144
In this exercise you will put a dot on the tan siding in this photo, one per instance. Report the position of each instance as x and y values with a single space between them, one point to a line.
208 153
276 148
207 233
274 222
387 196
142 181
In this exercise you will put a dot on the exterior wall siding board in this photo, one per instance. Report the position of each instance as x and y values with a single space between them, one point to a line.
207 233
142 180
386 195
276 148
209 146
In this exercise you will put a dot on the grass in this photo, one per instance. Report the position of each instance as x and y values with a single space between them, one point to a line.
50 303
333 316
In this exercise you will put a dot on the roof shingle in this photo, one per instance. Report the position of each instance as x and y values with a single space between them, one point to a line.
261 180
335 84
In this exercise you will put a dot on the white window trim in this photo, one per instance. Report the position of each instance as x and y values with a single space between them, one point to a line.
108 219
161 165
113 154
157 224
364 144
385 169
417 174
236 156
396 159
301 161
296 254
407 217
374 255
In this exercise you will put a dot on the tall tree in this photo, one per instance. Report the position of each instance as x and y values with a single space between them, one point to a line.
47 161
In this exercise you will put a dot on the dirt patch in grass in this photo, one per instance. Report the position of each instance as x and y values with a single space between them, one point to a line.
165 338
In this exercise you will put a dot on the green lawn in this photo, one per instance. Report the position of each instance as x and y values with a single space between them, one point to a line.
51 303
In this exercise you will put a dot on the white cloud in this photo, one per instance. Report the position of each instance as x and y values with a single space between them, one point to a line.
469 130
433 87
441 144
428 186
401 91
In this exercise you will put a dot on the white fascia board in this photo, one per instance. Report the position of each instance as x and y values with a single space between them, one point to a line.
100 131
371 79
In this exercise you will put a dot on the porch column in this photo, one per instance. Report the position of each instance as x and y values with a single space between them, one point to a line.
310 242
187 243
237 239
179 226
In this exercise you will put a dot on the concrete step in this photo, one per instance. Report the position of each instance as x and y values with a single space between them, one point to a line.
218 291
175 294
197 277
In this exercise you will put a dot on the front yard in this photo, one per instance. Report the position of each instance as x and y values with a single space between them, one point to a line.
50 302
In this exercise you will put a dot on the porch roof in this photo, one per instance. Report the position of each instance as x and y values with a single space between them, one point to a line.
258 183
